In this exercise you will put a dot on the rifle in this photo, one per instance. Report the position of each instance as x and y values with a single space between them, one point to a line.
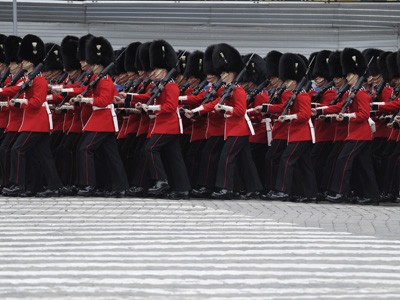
378 91
396 92
317 96
200 87
102 74
144 86
17 76
184 88
277 94
229 90
31 76
297 90
256 91
156 92
62 77
210 95
4 75
355 89
340 93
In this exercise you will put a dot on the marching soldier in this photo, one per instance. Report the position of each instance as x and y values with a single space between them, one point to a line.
165 129
358 142
297 154
36 124
99 131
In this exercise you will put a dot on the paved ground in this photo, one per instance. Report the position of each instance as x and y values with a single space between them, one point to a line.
73 248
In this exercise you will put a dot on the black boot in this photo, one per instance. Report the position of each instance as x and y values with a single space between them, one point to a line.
13 191
176 195
87 191
160 188
222 194
202 192
48 193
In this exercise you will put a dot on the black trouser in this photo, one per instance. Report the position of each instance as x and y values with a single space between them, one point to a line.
391 181
127 151
319 154
55 140
104 143
66 157
5 150
296 159
379 160
141 169
192 160
39 142
258 152
344 166
329 167
169 145
272 159
209 162
237 150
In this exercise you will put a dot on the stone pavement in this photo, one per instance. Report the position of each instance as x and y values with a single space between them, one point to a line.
74 248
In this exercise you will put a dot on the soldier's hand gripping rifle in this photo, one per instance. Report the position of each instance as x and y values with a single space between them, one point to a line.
378 91
227 93
29 81
355 89
251 96
101 75
4 75
297 90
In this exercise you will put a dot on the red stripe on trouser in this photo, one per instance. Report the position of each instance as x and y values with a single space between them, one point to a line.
226 161
286 165
152 157
87 165
344 170
19 150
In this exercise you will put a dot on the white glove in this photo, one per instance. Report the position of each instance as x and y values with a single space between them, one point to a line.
287 118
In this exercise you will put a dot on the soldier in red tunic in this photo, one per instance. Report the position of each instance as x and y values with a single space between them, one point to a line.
35 127
99 131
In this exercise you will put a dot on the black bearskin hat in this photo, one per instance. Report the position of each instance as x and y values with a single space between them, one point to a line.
391 63
11 48
81 54
142 60
32 49
321 68
256 71
2 55
183 57
374 69
162 55
69 50
130 56
194 65
335 66
383 66
99 51
272 63
292 67
227 59
352 61
208 66
53 61
120 62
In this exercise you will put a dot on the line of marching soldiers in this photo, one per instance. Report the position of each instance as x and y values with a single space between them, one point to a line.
81 119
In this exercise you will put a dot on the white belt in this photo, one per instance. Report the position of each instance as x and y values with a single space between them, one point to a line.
113 114
372 125
246 116
46 105
268 127
180 121
312 130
